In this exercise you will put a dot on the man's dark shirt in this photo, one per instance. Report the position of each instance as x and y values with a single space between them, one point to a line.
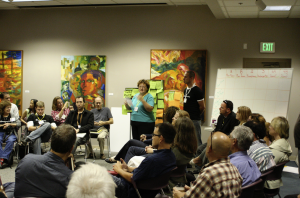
42 176
86 122
226 125
35 118
192 106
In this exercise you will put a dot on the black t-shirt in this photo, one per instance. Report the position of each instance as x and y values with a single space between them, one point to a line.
36 119
191 105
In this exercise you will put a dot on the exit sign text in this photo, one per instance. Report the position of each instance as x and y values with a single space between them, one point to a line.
267 47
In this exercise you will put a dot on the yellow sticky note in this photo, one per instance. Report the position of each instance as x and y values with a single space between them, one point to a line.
158 84
160 95
174 103
160 104
154 114
160 113
159 121
177 95
134 91
152 84
155 108
171 95
153 93
127 94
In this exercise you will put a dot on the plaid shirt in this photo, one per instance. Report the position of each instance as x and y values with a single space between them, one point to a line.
219 178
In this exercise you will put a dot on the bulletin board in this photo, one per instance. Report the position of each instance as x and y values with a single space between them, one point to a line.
264 91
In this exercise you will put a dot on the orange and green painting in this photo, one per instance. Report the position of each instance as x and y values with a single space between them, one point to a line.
83 76
171 65
11 75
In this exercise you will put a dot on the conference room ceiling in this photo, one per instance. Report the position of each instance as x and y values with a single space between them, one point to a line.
222 9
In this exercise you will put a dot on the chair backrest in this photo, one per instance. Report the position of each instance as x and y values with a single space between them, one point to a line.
248 191
179 171
263 176
154 183
277 172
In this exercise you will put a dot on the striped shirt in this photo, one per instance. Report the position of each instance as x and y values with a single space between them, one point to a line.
219 178
262 155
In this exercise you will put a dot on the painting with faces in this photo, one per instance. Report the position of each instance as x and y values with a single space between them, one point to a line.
11 63
83 76
171 65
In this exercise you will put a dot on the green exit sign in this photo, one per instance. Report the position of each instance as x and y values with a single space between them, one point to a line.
267 47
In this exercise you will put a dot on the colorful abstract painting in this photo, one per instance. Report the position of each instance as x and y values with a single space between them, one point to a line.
83 76
11 63
171 65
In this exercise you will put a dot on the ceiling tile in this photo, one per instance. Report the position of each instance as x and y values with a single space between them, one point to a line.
295 15
271 13
221 3
298 2
236 3
155 1
295 8
4 5
127 1
100 1
279 2
45 3
9 8
25 3
242 9
188 3
73 2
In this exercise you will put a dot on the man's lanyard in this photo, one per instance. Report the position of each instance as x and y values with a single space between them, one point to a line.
39 118
140 101
80 118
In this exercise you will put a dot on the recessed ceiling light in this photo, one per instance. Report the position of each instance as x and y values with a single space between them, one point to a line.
278 8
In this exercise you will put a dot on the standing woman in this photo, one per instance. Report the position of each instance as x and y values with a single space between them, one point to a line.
59 111
142 118
7 132
29 111
243 114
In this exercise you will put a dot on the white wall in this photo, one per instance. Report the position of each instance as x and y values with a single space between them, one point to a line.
127 34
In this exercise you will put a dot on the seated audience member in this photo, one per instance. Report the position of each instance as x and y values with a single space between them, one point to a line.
29 111
8 132
218 178
160 162
243 114
102 120
297 140
179 114
82 120
14 111
241 138
259 151
259 118
47 175
122 153
40 127
60 111
227 119
280 147
91 181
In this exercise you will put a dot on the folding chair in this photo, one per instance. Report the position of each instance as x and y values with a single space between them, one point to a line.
155 183
248 191
275 175
107 137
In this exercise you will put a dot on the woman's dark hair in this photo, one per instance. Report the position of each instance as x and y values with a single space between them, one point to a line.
54 102
34 106
258 128
3 105
185 139
170 112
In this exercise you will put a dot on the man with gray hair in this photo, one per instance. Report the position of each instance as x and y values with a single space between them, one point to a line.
241 140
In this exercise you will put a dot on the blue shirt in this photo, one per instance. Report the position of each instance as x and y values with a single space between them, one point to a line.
142 115
42 176
160 162
246 166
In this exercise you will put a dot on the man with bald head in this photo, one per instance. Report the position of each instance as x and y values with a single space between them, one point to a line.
218 178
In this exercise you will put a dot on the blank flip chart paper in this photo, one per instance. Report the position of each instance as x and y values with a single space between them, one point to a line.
264 91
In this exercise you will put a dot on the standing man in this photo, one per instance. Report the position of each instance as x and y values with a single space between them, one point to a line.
227 118
40 125
297 140
102 121
82 120
14 111
193 102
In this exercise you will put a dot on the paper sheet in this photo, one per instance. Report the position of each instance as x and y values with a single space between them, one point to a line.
177 95
80 135
158 84
154 115
159 121
171 95
153 93
152 84
155 108
160 104
159 113
127 94
160 95
129 102
174 103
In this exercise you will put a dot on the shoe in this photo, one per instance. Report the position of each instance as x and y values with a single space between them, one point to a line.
25 141
110 160
102 157
91 156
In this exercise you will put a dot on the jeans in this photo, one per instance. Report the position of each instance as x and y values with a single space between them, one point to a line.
121 190
134 151
122 153
79 141
197 124
9 145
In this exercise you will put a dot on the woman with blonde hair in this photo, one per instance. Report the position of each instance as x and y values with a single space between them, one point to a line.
179 114
243 114
280 147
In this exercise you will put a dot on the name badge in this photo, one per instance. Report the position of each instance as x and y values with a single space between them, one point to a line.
41 122
12 119
136 108
184 100
79 126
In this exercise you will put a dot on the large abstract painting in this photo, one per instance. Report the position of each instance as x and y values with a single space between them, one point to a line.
171 65
11 63
83 76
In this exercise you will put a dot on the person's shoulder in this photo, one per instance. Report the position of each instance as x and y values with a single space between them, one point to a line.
93 110
32 116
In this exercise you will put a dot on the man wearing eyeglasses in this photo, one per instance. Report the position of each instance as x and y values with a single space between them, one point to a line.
193 102
227 119
219 176
160 162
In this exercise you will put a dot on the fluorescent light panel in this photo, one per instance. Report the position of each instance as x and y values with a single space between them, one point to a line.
278 8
